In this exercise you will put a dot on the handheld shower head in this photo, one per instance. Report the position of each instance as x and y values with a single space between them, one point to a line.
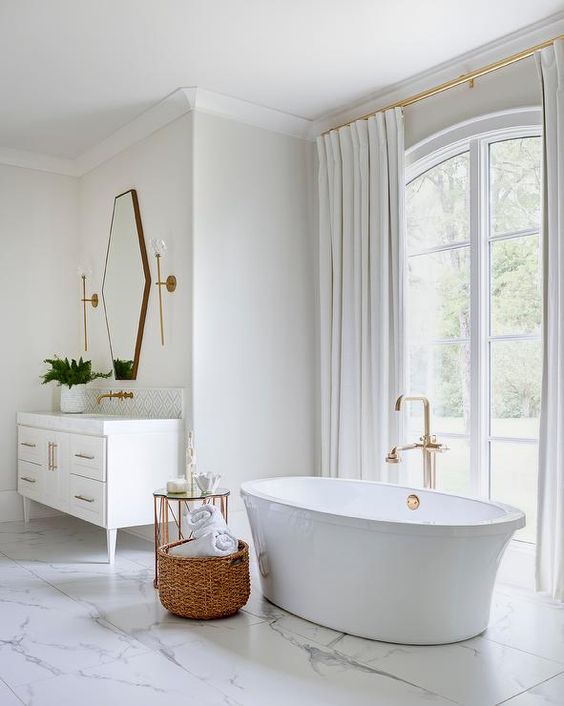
393 456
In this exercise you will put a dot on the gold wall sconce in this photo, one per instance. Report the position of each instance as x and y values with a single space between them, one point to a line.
86 300
159 248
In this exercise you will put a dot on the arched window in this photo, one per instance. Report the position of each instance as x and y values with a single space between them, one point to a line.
474 303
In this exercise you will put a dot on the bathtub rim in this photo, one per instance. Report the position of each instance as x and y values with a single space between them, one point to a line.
511 520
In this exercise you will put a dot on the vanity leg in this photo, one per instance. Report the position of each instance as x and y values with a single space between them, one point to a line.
26 506
111 537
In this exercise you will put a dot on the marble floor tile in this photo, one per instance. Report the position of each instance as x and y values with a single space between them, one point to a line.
75 630
476 672
288 624
39 641
528 622
129 601
136 549
258 606
8 697
146 680
43 530
549 693
264 665
20 588
83 553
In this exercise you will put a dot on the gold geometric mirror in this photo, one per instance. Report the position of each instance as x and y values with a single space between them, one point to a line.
126 286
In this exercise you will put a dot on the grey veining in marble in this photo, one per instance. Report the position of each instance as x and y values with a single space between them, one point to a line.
74 630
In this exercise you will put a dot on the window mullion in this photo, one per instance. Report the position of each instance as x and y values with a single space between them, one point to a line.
484 378
479 477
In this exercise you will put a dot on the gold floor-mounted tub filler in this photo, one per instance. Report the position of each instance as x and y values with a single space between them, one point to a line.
427 443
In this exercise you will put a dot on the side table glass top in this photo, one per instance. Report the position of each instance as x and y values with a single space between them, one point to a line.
197 495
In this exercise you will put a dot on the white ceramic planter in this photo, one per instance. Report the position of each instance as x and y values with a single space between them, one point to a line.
73 399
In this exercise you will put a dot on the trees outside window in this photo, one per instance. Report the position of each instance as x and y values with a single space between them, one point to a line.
474 310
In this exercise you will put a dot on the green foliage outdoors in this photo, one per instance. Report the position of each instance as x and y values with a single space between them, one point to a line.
70 373
438 214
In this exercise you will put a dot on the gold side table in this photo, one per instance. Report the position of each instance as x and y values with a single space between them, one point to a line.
166 513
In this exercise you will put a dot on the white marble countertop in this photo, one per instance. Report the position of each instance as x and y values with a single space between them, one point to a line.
96 424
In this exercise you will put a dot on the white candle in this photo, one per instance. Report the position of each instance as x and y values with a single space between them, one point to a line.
177 485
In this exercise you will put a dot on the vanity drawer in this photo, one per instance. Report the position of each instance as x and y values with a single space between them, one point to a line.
88 499
30 444
30 476
88 456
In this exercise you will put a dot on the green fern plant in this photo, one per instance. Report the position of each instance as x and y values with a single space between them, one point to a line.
123 369
65 372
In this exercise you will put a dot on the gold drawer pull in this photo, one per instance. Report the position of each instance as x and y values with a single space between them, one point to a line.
86 500
90 458
52 462
26 443
29 480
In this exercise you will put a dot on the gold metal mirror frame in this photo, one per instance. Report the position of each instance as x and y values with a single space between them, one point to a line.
146 289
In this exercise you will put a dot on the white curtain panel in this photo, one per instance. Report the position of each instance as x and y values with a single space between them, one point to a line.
361 202
550 538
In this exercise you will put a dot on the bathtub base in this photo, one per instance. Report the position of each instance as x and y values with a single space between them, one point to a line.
449 639
388 622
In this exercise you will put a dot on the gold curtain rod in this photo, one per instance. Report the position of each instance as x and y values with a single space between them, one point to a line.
465 78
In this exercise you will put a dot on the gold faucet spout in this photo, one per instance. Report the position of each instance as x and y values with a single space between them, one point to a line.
121 395
428 443
426 410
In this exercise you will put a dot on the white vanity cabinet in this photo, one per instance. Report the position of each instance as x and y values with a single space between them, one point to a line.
43 467
101 469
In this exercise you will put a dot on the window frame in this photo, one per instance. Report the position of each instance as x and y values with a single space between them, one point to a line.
475 137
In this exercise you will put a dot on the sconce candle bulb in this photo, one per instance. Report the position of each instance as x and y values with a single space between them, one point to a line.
158 246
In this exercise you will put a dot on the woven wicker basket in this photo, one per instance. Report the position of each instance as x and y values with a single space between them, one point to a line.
204 587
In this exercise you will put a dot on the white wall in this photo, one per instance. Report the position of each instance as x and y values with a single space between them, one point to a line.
39 300
160 168
515 86
254 303
236 214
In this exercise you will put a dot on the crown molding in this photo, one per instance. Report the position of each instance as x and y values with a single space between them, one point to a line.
170 108
180 102
157 116
37 161
242 111
486 54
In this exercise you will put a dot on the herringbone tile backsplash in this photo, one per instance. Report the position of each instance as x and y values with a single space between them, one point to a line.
147 402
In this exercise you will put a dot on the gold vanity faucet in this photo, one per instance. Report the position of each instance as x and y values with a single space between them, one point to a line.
121 395
427 443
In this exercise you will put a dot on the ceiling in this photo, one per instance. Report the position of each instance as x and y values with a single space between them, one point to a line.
74 71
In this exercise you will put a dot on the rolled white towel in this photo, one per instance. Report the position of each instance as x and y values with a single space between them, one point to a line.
204 519
218 542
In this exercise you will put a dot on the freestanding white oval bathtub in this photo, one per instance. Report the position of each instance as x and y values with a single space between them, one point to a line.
352 555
